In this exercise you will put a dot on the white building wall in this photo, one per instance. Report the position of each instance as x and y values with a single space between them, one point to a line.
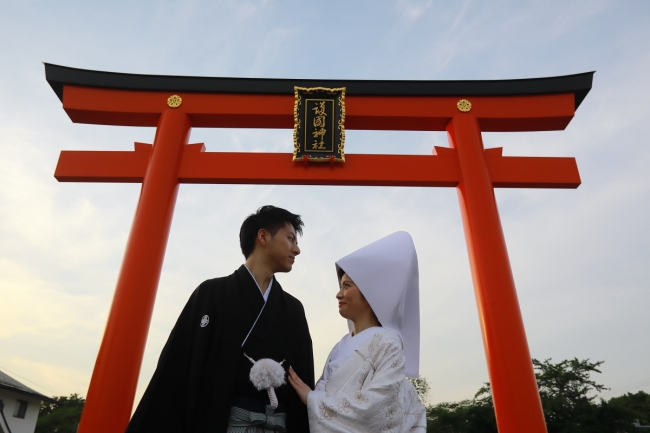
18 425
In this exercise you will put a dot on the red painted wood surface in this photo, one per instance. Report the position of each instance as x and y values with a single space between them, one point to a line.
278 169
412 113
514 389
115 376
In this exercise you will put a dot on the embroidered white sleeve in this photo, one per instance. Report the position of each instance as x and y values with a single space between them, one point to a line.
377 397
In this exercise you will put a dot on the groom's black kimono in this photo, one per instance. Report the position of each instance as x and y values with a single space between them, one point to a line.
202 367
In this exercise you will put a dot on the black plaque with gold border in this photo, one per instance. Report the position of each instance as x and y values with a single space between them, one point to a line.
319 124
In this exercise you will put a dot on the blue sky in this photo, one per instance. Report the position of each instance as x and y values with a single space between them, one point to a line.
579 257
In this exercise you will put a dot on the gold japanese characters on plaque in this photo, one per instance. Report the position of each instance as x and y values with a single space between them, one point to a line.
319 124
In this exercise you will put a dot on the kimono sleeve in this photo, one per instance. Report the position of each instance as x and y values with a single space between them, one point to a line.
320 383
377 397
303 363
163 407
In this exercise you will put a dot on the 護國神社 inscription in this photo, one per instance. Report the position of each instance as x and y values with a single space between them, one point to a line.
319 124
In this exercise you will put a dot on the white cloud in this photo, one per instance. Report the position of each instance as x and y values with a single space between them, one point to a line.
412 10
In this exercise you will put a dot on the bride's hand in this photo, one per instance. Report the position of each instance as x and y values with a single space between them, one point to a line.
301 388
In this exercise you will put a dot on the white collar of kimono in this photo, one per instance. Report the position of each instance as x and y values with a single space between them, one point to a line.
386 272
265 295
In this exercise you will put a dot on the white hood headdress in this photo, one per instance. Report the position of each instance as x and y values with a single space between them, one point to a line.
386 272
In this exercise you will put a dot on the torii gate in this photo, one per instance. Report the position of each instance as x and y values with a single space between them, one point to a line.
106 98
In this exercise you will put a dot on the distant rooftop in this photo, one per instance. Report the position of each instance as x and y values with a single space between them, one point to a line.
8 382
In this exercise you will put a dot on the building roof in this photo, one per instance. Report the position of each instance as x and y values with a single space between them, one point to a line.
8 382
59 76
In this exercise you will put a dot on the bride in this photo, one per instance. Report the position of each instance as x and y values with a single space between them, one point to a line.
364 387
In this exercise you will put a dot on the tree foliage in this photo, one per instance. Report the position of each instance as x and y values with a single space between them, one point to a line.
60 417
568 400
421 386
467 416
567 393
638 403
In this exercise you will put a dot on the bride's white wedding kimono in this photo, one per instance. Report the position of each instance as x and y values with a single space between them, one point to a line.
364 389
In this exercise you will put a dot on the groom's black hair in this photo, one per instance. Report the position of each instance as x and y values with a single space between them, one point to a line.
269 218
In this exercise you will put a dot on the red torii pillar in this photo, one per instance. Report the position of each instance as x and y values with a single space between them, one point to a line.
137 100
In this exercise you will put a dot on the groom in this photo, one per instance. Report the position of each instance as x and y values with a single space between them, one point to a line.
201 383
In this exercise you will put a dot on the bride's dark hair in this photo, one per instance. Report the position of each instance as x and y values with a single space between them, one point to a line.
340 272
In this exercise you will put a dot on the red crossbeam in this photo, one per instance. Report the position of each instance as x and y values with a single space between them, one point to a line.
403 113
277 169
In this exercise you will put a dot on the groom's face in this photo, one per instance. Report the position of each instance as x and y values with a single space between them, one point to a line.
282 249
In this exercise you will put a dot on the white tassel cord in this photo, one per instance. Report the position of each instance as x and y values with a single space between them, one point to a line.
272 397
267 374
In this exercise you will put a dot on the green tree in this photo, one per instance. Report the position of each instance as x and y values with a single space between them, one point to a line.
567 396
421 386
60 417
467 416
639 403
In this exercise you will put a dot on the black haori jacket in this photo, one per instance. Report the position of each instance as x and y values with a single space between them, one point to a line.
202 366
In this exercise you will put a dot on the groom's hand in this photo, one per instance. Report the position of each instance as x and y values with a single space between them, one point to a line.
301 388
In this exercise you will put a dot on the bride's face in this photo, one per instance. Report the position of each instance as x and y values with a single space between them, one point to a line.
352 304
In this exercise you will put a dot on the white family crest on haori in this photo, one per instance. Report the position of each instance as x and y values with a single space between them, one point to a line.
204 321
386 272
267 374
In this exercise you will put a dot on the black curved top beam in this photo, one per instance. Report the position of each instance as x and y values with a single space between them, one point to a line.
578 84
